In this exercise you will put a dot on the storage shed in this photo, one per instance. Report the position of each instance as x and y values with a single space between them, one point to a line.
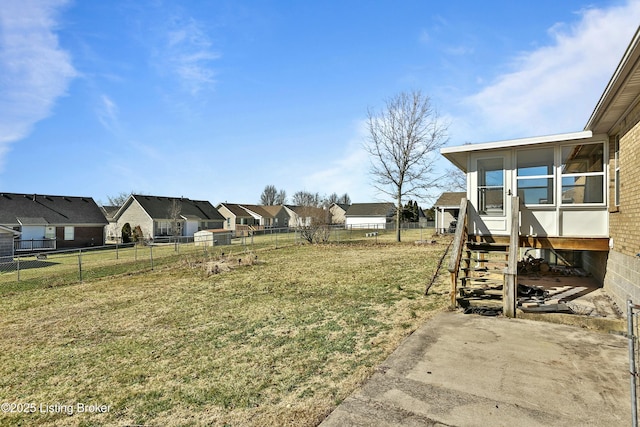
216 237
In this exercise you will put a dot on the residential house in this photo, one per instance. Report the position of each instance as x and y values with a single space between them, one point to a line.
160 217
576 191
52 222
111 232
268 216
237 219
7 236
338 211
370 215
305 216
446 209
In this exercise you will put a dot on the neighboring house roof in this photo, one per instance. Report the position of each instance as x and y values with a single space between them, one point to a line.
258 210
159 207
236 209
273 210
4 229
109 211
450 199
342 206
34 209
371 209
304 210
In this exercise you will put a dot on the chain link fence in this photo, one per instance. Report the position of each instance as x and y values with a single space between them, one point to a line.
52 268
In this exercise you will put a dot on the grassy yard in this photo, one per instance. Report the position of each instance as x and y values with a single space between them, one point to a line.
277 340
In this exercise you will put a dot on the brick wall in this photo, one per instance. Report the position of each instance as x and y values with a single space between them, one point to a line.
82 237
622 280
625 220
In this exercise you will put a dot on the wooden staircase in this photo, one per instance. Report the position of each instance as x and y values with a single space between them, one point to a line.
483 271
481 275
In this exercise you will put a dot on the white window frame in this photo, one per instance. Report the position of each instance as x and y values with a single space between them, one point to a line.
551 176
583 174
69 232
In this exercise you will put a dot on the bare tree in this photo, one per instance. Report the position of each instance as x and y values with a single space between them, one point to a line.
271 196
175 209
456 179
313 224
344 199
333 198
305 198
403 140
268 196
119 199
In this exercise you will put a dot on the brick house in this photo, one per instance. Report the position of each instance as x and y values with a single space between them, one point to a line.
576 192
52 222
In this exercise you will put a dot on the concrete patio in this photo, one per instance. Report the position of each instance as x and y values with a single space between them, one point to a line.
470 370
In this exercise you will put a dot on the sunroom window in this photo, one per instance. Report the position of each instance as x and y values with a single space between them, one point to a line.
535 176
583 173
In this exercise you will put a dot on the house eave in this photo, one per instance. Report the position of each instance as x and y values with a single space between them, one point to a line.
620 93
458 154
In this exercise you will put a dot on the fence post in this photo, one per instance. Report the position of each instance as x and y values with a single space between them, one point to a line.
151 254
117 254
80 264
18 267
632 364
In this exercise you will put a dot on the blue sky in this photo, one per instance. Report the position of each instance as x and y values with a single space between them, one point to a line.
214 100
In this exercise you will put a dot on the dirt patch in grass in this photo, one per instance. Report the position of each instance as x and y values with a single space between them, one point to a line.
280 341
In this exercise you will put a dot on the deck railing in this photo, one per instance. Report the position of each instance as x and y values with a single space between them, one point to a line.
34 245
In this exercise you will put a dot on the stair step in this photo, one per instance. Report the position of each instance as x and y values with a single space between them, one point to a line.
500 261
479 302
483 251
485 283
488 244
479 269
478 292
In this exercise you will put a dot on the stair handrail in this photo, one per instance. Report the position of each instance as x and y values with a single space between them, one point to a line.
456 251
511 272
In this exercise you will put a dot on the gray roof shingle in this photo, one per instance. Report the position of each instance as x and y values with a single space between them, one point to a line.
158 207
17 208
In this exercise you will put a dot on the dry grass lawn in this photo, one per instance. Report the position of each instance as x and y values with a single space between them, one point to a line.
280 340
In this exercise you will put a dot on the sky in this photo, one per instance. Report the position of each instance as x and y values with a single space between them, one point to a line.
214 100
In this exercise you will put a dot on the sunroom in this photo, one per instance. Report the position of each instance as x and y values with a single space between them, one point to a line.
560 180
541 200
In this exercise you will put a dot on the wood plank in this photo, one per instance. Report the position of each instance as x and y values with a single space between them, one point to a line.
566 243
562 243
511 276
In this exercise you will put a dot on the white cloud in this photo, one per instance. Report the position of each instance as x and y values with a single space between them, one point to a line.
188 53
108 114
554 88
34 70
